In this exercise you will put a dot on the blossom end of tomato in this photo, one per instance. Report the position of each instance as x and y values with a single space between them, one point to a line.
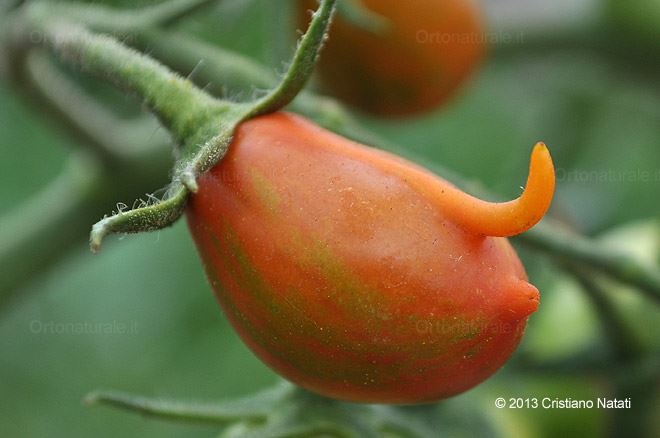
523 300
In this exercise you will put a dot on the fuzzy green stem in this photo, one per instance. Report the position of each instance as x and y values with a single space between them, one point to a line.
179 105
88 119
303 63
146 218
186 111
222 71
176 410
253 409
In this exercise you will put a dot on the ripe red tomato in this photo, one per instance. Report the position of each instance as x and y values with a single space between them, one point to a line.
356 274
428 50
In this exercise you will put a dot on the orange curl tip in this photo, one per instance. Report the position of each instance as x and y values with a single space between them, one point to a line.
504 219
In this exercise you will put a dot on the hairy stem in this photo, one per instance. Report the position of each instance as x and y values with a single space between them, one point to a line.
302 65
223 72
159 215
179 105
252 409
87 118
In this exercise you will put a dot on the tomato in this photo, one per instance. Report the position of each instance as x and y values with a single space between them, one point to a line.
419 61
356 274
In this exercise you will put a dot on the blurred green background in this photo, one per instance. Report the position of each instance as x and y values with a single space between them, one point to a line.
581 76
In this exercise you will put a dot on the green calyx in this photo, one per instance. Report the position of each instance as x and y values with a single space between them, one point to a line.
201 125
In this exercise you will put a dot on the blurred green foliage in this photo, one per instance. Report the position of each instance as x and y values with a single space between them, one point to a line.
600 117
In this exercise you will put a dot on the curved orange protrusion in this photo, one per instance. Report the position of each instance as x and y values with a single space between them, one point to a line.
504 218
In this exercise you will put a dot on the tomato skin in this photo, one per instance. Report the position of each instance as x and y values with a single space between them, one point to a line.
428 50
345 277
